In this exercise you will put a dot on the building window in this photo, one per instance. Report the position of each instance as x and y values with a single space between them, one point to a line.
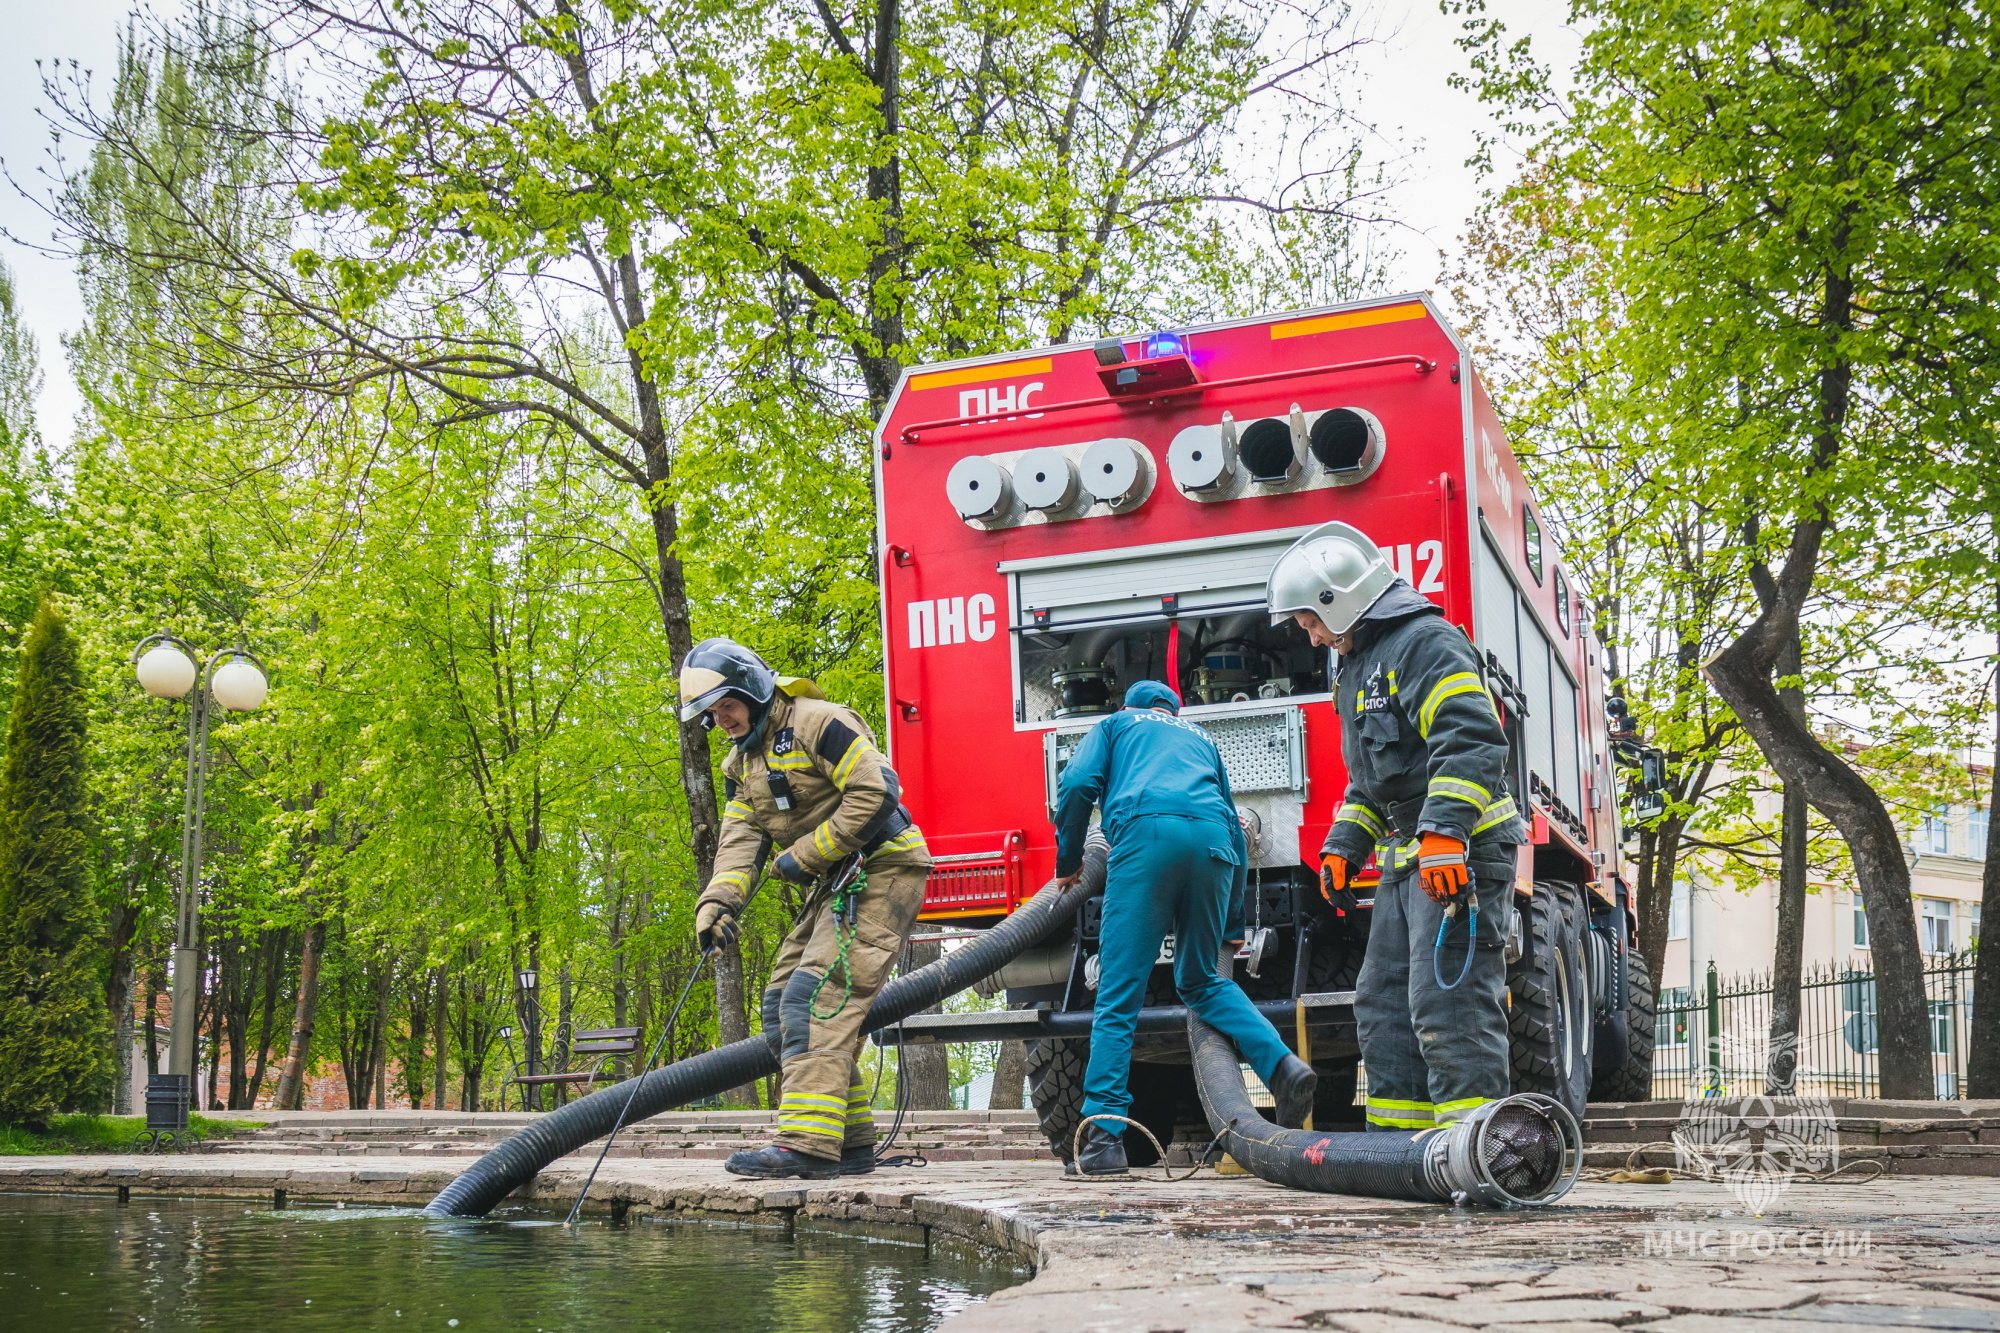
1976 823
1677 910
1860 923
1670 1020
1972 926
1935 920
1934 834
1941 1027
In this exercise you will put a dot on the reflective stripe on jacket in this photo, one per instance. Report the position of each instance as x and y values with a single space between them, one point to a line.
841 790
1418 732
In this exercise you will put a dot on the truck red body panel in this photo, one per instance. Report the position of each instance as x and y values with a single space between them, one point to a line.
1009 631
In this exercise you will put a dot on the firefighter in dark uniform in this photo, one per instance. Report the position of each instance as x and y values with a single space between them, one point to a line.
1427 794
803 776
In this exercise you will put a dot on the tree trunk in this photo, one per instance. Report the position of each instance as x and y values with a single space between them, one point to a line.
927 1067
732 1017
443 1039
1982 1069
215 1033
119 992
380 1052
1788 952
292 1082
277 948
1010 1077
152 1021
1741 674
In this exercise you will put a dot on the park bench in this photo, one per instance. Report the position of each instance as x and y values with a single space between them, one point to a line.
590 1049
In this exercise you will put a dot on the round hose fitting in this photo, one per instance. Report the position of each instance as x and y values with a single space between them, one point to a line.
1516 1152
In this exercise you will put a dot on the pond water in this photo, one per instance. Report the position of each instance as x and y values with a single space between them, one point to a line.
74 1262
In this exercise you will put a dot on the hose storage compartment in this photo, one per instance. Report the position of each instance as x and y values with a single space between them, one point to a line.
517 1161
1514 1152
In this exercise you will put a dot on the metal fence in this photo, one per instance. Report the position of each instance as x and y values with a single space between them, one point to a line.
1717 1042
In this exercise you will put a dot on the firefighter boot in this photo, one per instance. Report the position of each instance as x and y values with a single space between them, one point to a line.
858 1161
774 1161
1102 1155
1292 1088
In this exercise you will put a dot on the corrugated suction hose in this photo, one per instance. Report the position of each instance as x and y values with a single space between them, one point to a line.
520 1158
1517 1151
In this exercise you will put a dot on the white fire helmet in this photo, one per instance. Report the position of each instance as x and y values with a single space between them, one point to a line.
1333 571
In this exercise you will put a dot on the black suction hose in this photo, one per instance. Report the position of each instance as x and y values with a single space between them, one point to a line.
1516 1151
520 1158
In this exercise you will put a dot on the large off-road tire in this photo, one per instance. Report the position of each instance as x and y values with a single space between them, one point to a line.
1163 1095
1632 1081
1548 1018
1334 1106
1055 1089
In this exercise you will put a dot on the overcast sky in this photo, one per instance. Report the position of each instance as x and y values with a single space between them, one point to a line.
1401 89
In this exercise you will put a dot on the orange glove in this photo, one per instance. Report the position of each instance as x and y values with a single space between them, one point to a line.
1333 874
1441 866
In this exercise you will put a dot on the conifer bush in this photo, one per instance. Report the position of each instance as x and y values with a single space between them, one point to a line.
55 1028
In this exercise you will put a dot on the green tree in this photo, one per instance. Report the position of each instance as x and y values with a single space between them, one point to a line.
1799 207
55 1032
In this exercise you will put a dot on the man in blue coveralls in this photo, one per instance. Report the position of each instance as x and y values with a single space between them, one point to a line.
1178 857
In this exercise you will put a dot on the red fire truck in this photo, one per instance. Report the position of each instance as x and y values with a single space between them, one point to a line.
1056 524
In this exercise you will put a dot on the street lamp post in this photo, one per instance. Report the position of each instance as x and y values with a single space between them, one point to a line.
233 678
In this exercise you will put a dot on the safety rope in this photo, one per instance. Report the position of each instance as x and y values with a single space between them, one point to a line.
846 894
1166 1172
1636 1172
1471 941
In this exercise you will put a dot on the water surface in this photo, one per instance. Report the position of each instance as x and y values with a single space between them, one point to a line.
72 1262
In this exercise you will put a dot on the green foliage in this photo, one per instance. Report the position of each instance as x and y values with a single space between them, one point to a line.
103 1134
53 1024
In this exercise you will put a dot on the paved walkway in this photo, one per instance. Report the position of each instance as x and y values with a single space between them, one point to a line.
1231 1253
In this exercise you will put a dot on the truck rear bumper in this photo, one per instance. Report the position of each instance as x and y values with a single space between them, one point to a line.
1018 1024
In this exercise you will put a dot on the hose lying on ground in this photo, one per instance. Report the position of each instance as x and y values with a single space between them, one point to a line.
517 1161
1519 1150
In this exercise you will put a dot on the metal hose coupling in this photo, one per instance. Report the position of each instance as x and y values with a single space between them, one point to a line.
1516 1152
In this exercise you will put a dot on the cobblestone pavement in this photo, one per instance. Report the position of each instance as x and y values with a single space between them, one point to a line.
1230 1253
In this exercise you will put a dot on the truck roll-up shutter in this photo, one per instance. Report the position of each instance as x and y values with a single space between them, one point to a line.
1092 586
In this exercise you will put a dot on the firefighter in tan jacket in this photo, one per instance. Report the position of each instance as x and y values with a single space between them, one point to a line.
803 778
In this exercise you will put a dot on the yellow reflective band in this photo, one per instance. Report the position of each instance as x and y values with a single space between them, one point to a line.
1353 813
1392 682
739 879
1390 1104
813 1105
808 1124
1460 789
1406 851
860 1115
1402 1122
1464 682
1497 813
796 759
823 842
902 842
844 770
1457 1109
736 810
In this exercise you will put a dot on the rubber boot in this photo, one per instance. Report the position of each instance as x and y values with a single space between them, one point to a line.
857 1161
1292 1088
1102 1154
776 1162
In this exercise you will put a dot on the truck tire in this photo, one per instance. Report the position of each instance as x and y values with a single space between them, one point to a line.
1055 1089
1163 1095
1548 1015
1632 1081
1333 1096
